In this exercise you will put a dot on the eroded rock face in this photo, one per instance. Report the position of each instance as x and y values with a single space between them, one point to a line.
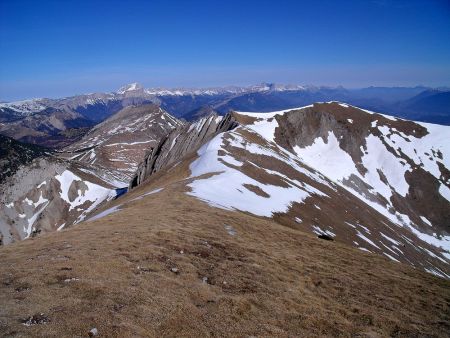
180 142
62 189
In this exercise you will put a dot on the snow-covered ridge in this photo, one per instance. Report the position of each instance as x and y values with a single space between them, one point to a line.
25 107
254 168
159 91
129 88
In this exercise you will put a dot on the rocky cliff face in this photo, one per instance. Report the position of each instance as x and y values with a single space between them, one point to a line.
180 142
46 195
366 179
394 165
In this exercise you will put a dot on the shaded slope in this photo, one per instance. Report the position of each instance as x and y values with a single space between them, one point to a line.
14 154
47 127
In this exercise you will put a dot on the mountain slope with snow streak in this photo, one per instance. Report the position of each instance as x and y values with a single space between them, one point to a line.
117 145
327 168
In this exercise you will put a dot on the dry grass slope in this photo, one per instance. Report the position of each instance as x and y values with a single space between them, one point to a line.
170 265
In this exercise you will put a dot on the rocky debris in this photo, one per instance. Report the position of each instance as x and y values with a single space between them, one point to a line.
325 237
230 230
36 319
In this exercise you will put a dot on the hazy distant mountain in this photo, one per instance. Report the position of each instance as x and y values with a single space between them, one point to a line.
198 113
44 121
430 106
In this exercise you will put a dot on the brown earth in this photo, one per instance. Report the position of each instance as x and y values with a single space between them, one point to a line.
169 265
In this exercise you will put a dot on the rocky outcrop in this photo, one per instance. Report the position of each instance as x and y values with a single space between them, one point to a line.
180 142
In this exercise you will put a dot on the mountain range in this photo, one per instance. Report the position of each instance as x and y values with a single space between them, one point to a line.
59 122
326 206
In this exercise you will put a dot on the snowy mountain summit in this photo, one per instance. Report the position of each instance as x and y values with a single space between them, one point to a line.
130 88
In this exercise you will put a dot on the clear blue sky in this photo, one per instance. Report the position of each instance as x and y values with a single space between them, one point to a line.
59 48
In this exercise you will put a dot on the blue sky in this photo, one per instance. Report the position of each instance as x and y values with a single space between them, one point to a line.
60 48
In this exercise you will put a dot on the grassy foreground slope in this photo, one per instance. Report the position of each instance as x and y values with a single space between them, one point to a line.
170 265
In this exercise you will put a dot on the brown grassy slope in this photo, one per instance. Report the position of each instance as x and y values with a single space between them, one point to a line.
267 280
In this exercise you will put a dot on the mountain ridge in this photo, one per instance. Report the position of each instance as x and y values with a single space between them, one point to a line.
262 140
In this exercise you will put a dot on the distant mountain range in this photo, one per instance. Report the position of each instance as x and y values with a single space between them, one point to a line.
51 122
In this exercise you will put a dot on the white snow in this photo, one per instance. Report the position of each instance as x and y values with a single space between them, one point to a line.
444 191
231 231
95 194
390 239
425 220
105 213
32 219
25 107
328 158
360 235
319 231
148 193
271 114
390 257
225 189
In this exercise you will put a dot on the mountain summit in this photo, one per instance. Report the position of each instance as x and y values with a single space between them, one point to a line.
130 88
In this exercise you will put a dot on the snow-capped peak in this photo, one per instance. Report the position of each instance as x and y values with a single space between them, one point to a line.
129 88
